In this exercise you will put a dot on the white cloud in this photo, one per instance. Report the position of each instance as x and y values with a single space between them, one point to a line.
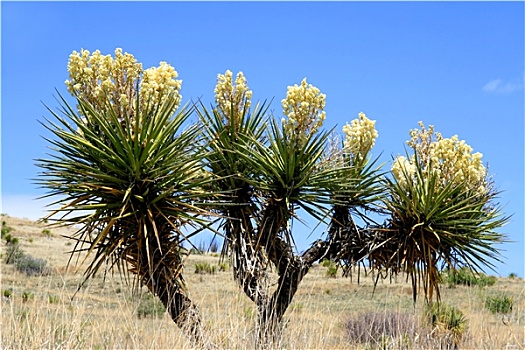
500 86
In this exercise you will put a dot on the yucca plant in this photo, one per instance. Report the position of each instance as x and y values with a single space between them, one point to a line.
224 128
442 212
350 244
448 323
130 179
288 177
267 173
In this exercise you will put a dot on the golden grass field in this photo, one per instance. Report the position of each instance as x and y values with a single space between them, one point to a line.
104 313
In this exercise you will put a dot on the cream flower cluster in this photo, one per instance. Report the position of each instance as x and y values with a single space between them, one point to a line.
452 159
456 163
361 135
99 78
232 99
158 83
421 141
304 106
403 170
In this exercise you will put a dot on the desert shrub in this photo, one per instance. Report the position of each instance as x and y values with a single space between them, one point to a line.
223 266
326 263
465 276
149 306
485 280
25 263
27 295
382 329
512 275
10 239
448 324
31 266
7 293
205 268
5 229
499 304
46 232
331 266
331 271
13 253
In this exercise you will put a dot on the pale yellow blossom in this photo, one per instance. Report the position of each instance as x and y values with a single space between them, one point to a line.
158 83
97 78
450 158
403 170
304 106
360 136
100 79
232 99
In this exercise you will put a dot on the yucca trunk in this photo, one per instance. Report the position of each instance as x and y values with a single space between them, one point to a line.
179 306
159 268
291 269
339 245
271 310
248 263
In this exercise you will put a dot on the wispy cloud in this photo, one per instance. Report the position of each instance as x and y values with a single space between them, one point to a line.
500 86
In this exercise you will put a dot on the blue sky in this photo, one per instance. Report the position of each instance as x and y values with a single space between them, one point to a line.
456 65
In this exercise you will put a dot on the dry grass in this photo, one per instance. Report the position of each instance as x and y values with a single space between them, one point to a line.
103 314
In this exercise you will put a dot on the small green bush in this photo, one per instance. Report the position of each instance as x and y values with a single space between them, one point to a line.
27 295
465 276
25 263
10 239
485 280
223 266
326 263
331 266
7 293
5 229
13 253
499 304
46 232
512 275
331 271
205 268
149 306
